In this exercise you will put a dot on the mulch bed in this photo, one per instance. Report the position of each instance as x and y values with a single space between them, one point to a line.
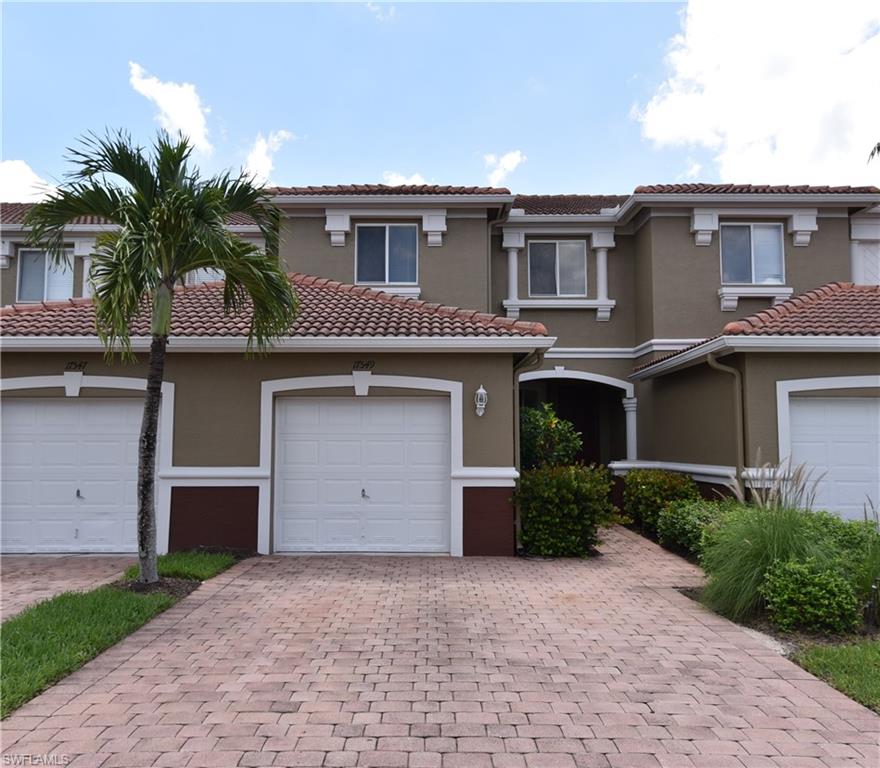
177 588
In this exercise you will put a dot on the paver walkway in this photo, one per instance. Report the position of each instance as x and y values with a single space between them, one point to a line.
430 662
28 579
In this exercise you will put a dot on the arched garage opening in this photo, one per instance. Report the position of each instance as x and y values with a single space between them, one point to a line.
602 409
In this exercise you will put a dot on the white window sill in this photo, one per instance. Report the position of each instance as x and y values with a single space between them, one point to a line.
407 291
731 294
603 307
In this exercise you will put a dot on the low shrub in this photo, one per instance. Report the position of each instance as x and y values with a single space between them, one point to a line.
804 595
545 438
562 509
680 524
647 491
744 543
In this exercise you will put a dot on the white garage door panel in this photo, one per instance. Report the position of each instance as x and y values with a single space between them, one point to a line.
52 448
840 439
395 450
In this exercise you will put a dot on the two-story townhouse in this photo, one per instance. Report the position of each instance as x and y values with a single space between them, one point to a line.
387 420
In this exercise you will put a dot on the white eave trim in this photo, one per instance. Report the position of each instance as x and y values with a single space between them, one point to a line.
729 344
309 344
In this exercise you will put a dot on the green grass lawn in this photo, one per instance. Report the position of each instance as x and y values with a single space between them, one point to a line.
52 639
199 566
853 669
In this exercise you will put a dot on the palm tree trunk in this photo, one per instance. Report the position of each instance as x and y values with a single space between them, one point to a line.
146 518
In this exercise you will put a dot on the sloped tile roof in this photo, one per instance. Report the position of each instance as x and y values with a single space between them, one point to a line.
543 205
835 309
751 189
386 189
327 309
14 213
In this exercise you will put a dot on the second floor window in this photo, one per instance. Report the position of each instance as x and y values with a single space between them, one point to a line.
752 254
387 253
204 275
39 279
558 268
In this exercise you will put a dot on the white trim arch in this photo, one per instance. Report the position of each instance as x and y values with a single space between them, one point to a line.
361 382
72 383
629 401
784 389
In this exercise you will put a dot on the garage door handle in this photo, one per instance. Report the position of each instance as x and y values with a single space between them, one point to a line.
79 495
364 494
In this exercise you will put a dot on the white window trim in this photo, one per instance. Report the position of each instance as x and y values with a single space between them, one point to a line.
47 265
558 295
751 225
387 283
784 390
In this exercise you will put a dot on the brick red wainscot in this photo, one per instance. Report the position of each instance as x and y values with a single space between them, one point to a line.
489 521
214 516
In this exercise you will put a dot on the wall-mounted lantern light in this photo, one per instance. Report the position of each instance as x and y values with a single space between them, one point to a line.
481 399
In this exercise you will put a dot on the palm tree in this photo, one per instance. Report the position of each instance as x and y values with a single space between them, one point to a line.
874 152
169 222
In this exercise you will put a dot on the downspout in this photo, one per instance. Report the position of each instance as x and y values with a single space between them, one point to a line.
737 414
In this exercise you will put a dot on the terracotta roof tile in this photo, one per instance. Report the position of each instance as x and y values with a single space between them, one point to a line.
543 205
751 189
327 309
14 213
386 189
835 309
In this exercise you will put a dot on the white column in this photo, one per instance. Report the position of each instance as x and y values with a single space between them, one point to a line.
512 274
629 406
602 274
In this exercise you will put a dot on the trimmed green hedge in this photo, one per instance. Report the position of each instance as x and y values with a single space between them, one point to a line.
802 595
545 438
680 524
562 509
647 491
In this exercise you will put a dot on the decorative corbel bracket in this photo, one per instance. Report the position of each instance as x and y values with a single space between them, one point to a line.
801 225
5 253
338 225
703 223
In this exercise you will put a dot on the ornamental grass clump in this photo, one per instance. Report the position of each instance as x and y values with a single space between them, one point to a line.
747 541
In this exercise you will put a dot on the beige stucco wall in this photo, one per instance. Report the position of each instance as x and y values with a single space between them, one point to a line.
688 416
577 327
686 277
455 273
9 279
217 396
763 371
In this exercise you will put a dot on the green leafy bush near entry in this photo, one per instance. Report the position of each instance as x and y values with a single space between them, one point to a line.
53 638
562 509
545 438
680 524
198 566
744 544
647 491
800 595
853 669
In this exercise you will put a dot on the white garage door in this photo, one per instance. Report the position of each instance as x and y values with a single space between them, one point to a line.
840 437
69 479
362 475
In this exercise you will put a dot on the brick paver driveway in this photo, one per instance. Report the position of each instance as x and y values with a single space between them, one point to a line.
28 579
425 662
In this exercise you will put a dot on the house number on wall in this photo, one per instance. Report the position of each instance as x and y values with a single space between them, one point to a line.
363 365
75 365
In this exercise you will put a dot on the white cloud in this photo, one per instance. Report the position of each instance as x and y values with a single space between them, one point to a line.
180 108
692 171
776 92
382 11
19 183
395 179
501 167
260 162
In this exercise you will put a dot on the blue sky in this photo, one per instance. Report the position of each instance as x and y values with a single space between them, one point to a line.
561 97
